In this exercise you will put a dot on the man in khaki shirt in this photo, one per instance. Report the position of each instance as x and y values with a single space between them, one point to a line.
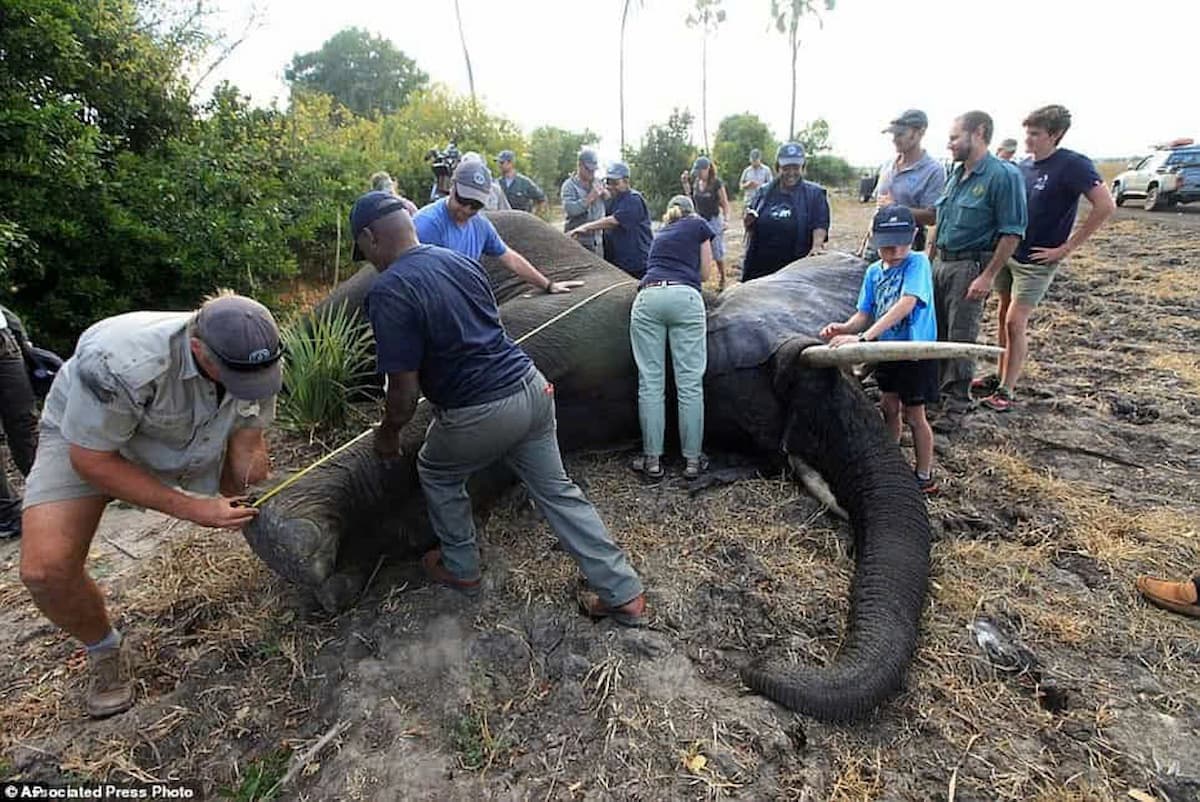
150 402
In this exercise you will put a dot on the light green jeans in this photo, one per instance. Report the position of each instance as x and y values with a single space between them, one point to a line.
671 315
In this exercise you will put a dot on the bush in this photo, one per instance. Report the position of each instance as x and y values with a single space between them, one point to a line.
665 152
830 171
553 155
329 364
737 135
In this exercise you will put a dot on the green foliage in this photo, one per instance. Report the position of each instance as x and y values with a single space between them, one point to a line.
814 137
553 154
328 365
260 778
737 135
829 170
787 16
665 151
364 72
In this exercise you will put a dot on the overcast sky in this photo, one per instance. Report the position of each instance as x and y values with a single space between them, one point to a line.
1121 68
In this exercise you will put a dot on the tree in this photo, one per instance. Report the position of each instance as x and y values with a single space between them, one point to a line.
814 137
626 5
365 73
737 135
553 153
462 37
787 15
707 16
655 165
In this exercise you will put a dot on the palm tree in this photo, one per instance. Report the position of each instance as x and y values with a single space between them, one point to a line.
466 55
625 6
707 16
787 16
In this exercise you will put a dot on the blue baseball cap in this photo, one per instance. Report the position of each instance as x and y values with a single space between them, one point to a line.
790 153
589 159
506 156
366 210
893 225
617 170
701 163
473 180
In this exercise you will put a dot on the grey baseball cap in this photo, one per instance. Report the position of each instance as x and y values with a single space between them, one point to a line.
910 118
506 156
755 153
1008 144
243 336
617 170
683 202
472 180
589 159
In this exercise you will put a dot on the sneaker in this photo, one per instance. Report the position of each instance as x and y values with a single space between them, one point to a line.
650 465
927 486
630 614
110 688
1178 597
985 385
1000 401
436 570
695 466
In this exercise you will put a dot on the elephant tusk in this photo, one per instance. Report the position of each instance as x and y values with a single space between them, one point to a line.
816 486
855 353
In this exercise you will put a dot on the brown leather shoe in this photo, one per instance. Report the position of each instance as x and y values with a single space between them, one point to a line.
1178 597
630 614
110 688
436 570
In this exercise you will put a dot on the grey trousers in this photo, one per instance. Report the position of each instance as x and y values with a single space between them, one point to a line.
957 320
18 415
521 430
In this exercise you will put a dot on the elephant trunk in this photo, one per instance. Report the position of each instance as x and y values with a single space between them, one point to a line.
834 428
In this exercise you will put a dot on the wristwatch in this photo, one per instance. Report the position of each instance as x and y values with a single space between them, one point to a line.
862 337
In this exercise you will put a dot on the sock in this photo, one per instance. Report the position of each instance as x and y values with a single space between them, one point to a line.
926 476
110 641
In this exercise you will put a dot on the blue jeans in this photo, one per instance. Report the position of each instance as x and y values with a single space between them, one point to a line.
521 430
671 315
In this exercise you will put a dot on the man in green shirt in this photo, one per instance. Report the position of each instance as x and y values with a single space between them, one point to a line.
981 218
523 194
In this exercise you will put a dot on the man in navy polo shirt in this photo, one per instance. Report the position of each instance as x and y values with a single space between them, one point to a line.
453 222
1055 178
626 224
438 333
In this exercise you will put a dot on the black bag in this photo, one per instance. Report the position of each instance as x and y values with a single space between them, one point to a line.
42 364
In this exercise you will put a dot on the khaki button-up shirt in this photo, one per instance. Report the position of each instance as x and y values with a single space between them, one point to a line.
133 386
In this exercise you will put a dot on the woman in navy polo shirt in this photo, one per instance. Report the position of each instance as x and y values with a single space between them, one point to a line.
670 309
785 220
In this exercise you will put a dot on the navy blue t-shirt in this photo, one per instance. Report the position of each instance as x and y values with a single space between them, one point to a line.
433 311
675 252
1052 189
783 231
627 245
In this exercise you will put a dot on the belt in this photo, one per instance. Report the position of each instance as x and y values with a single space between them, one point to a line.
963 256
647 284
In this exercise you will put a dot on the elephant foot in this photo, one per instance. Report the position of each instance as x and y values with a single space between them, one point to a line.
341 591
298 549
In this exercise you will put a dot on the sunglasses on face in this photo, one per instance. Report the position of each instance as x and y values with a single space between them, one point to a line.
470 203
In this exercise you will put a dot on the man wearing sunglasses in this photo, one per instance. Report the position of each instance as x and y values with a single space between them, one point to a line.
151 405
454 222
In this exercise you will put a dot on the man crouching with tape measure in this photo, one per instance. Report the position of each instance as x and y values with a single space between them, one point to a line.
438 333
150 401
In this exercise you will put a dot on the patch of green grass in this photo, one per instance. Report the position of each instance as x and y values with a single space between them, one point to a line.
329 362
473 739
259 778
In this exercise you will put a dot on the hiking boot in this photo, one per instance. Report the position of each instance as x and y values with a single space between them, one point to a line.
630 614
695 466
927 486
984 385
650 465
436 570
110 688
1178 597
1000 401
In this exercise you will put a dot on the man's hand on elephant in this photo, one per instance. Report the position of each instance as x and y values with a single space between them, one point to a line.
979 288
558 287
832 330
387 442
221 512
843 339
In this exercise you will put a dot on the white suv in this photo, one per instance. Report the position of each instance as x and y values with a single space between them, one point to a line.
1166 177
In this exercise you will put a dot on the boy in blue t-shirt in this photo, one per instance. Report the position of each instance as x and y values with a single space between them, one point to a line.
896 303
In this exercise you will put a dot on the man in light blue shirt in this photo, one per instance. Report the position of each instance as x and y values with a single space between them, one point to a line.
913 179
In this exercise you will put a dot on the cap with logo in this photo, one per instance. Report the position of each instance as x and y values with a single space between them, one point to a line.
910 118
893 225
589 159
243 336
617 170
790 153
369 207
506 156
472 181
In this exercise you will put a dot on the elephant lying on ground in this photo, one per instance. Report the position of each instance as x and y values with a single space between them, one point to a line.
761 394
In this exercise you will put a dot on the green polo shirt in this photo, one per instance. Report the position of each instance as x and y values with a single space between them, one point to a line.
978 208
522 192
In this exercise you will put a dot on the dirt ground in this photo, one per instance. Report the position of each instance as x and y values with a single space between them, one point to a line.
1046 516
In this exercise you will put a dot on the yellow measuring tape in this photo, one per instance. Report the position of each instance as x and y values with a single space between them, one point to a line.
286 483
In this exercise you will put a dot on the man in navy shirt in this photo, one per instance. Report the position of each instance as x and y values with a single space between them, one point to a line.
1055 178
626 223
453 222
786 219
437 331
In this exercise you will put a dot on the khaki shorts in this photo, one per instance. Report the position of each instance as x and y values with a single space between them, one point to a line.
52 478
1027 284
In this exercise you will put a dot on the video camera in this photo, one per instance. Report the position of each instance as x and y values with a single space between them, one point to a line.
442 162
